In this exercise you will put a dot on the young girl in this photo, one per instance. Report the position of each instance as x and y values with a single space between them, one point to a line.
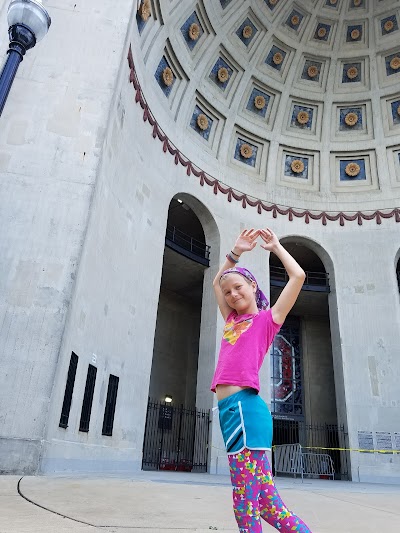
245 420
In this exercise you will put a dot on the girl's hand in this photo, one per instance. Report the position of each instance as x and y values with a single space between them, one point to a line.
246 241
270 239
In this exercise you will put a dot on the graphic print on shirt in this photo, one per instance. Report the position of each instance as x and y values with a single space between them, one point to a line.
233 331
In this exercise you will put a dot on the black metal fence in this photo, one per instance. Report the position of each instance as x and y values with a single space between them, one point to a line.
176 438
323 438
315 281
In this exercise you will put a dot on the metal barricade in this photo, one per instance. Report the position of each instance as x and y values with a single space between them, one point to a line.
290 459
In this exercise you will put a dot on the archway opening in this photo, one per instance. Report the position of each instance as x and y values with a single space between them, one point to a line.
303 399
176 432
176 340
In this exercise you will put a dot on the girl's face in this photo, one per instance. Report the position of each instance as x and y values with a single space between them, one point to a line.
239 293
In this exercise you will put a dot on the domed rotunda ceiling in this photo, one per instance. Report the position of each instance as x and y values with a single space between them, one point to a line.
293 102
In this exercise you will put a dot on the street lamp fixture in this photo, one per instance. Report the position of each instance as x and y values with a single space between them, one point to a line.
28 23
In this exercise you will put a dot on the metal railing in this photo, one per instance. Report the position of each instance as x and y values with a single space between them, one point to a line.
291 459
187 245
316 438
315 281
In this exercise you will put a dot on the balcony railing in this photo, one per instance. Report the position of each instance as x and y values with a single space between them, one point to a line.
315 281
188 246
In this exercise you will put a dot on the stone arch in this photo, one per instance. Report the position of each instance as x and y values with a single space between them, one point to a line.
322 360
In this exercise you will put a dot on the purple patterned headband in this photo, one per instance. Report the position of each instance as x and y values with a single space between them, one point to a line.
261 299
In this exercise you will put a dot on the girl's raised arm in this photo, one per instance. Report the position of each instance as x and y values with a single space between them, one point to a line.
296 274
246 241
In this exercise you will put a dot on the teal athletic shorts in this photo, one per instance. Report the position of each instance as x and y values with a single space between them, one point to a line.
245 422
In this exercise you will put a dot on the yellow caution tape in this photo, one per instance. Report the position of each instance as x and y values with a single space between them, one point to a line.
331 449
348 449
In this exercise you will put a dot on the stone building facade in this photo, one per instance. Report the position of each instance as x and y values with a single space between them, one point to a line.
208 117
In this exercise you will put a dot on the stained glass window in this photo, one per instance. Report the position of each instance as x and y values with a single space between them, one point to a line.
286 374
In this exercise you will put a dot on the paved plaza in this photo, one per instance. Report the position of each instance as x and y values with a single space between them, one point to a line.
177 502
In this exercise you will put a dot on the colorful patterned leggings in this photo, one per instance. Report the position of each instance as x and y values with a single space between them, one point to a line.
255 495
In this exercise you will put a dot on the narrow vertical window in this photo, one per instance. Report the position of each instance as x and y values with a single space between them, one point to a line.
109 411
88 399
69 389
398 273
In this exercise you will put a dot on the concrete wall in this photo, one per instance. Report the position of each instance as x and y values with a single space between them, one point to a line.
113 307
318 383
51 133
176 350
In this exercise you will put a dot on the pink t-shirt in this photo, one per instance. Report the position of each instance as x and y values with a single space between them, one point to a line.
244 343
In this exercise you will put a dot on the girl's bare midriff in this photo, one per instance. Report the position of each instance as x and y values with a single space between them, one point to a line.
223 391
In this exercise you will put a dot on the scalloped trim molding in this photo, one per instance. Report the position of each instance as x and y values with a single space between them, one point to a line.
261 205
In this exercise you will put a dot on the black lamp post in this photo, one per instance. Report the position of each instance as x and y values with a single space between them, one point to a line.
28 23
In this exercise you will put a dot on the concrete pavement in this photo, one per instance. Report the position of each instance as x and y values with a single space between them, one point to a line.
177 502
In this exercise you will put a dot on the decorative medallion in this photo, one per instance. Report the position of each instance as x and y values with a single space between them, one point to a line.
194 31
395 63
321 32
352 169
277 58
357 3
145 10
351 119
168 76
295 20
246 151
303 117
259 102
352 73
398 110
247 32
297 166
202 122
312 71
389 25
223 74
355 34
273 2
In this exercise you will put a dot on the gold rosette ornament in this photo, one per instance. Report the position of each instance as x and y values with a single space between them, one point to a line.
355 34
389 25
357 3
333 2
295 20
194 31
351 119
259 102
352 169
277 58
312 71
303 117
202 122
395 63
398 110
247 32
246 151
321 32
168 76
223 75
145 10
297 166
352 73
273 2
